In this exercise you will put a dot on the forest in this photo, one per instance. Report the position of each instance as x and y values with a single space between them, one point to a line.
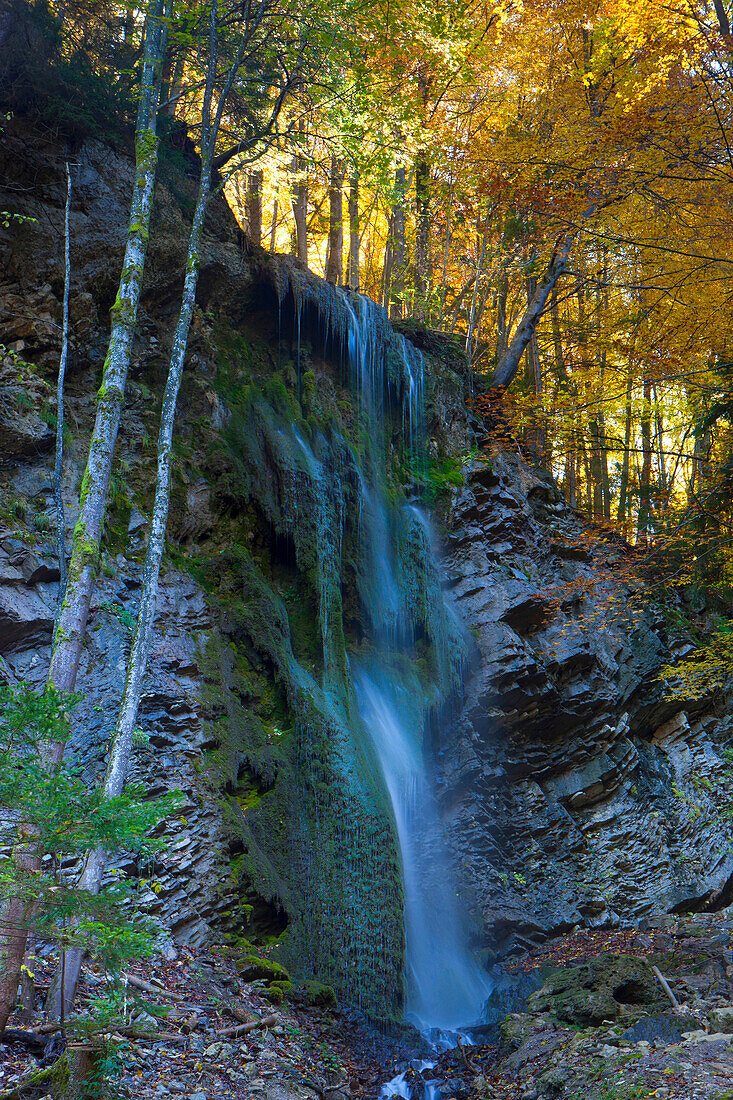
386 290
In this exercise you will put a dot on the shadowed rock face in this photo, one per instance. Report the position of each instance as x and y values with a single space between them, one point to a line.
573 791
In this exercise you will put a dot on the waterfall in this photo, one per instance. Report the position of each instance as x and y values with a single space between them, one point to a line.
445 985
446 989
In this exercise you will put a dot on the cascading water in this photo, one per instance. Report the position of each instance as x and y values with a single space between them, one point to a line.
445 986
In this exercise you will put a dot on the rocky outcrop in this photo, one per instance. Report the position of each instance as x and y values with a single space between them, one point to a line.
574 791
248 708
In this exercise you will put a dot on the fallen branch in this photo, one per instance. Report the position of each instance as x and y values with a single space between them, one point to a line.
238 1012
665 986
149 987
242 1029
30 1039
191 1022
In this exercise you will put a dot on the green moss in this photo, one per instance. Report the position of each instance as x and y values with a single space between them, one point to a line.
254 968
315 993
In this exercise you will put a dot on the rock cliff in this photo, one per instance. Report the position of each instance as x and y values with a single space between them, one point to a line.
575 792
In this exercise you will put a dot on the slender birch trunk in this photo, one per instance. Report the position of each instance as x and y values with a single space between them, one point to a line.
74 611
69 634
59 462
95 861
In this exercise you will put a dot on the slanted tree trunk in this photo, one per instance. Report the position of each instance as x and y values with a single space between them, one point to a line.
71 622
335 262
353 271
254 205
509 362
94 864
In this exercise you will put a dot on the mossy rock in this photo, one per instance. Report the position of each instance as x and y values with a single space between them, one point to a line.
605 988
317 994
254 968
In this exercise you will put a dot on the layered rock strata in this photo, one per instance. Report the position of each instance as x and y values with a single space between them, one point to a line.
575 792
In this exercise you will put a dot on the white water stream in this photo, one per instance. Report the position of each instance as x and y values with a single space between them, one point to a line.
446 988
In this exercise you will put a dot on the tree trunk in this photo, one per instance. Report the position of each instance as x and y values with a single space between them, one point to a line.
273 230
254 205
571 492
353 277
623 493
446 253
659 423
335 261
121 745
534 435
509 362
398 247
69 633
643 526
300 200
422 234
59 460
472 313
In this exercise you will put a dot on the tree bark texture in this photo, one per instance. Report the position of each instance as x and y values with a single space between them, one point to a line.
300 201
398 246
254 205
423 273
645 481
335 263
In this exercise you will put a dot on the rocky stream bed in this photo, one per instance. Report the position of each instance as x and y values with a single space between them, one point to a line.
598 1025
